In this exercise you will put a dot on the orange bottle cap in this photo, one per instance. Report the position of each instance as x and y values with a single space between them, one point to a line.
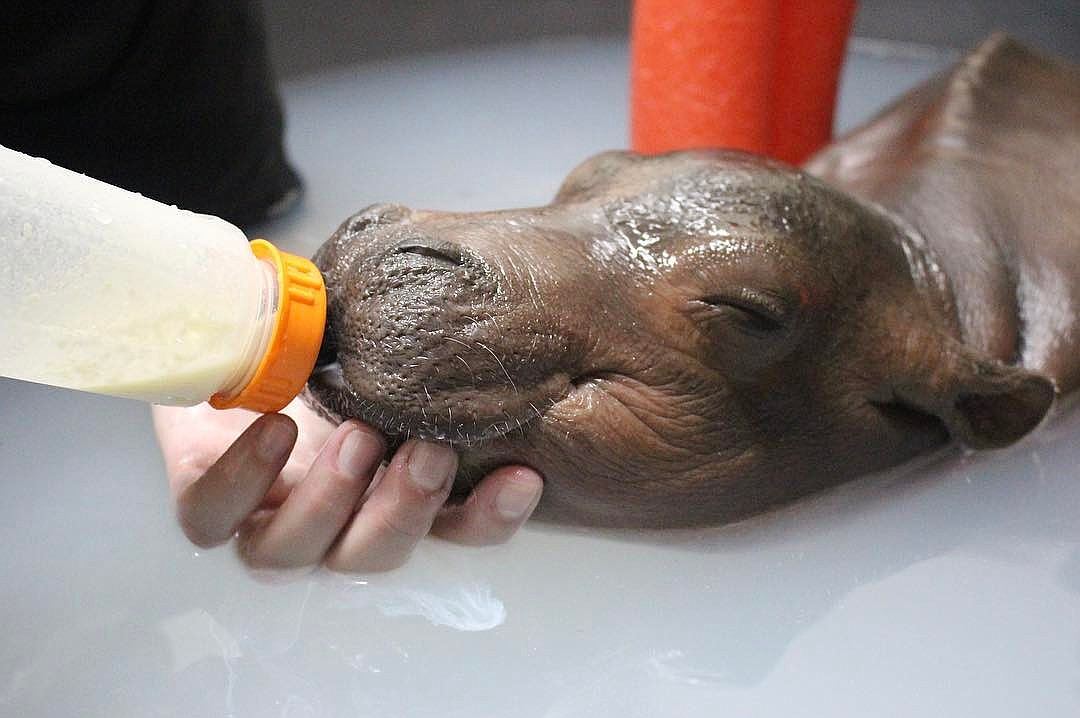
295 339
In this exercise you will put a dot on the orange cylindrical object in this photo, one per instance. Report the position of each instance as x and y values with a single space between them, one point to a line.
810 54
756 75
701 74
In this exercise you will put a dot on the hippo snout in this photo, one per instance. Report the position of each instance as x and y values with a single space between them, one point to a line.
424 333
386 271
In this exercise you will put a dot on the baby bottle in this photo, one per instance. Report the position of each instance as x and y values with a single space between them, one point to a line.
104 290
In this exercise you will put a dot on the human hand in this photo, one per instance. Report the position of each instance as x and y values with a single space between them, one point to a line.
298 491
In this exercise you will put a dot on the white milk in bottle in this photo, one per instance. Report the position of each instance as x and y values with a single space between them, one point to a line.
107 291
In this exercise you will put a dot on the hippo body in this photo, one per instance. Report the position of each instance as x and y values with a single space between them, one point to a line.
692 338
984 163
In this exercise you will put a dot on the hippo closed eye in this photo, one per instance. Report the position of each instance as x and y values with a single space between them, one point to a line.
691 338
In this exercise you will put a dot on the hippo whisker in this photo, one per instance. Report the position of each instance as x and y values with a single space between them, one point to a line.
498 329
501 365
458 341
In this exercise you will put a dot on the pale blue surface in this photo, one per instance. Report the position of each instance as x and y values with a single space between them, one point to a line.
946 589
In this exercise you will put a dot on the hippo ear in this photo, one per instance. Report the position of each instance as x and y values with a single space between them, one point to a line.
983 402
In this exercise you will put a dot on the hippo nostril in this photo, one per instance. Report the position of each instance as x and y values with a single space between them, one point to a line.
375 214
443 252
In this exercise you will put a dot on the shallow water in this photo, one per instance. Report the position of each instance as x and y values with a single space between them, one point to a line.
947 588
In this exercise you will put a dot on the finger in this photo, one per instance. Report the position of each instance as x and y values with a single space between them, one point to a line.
398 512
302 530
315 431
193 438
495 509
211 507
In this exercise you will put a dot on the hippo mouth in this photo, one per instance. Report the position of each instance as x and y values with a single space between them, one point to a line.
329 393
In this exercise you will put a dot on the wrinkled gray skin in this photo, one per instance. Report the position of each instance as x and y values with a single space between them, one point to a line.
692 338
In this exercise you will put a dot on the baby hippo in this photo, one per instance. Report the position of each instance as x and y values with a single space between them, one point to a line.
692 338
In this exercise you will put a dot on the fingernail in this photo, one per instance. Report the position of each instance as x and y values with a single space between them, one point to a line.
431 466
516 499
355 453
273 441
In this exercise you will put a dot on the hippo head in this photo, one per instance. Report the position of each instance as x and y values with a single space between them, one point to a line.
675 340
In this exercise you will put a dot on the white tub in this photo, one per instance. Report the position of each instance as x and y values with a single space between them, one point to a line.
950 588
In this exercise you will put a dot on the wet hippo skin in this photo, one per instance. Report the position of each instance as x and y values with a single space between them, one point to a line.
691 338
